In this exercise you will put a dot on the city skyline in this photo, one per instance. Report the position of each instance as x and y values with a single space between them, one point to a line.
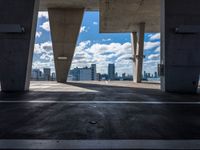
93 47
90 74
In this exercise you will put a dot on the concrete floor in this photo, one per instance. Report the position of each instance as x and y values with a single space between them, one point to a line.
98 111
111 120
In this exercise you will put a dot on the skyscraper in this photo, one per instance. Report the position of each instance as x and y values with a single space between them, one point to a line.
111 71
93 69
47 74
85 74
36 74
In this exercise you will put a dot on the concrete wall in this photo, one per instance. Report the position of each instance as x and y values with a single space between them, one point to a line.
16 49
180 52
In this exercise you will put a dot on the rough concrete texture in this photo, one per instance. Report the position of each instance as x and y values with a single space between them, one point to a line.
98 120
65 26
126 15
180 51
139 53
91 5
17 48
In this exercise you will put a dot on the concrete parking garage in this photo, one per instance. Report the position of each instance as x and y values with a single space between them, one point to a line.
100 115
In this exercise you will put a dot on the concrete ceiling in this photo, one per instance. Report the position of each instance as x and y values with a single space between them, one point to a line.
125 15
87 4
116 15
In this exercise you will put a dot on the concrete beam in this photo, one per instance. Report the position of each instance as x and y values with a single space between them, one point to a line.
138 46
89 5
180 49
125 15
18 22
65 26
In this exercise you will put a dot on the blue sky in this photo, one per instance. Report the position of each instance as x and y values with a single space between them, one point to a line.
93 47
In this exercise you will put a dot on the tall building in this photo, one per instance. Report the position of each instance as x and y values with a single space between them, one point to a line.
111 71
36 74
53 76
145 76
98 77
85 74
75 74
155 75
123 76
47 74
93 69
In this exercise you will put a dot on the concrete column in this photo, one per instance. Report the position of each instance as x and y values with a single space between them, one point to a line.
134 41
180 46
139 52
65 26
17 34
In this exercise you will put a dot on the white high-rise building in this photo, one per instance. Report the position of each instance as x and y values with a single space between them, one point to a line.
85 74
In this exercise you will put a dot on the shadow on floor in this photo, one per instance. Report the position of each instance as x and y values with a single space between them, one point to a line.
104 92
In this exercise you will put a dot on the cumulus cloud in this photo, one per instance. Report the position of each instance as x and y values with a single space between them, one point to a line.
83 29
155 37
45 26
154 56
45 47
40 65
103 54
87 53
106 40
46 57
157 49
38 34
43 56
95 23
43 14
150 66
151 45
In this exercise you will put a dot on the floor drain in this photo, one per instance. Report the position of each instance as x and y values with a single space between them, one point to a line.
93 122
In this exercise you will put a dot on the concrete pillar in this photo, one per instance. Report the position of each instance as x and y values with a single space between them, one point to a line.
180 46
17 34
65 25
138 48
134 41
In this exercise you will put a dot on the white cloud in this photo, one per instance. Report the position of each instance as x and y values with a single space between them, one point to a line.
102 55
45 26
83 29
124 57
43 14
40 65
154 56
45 47
150 66
38 34
155 37
106 40
87 53
43 56
95 23
46 57
151 45
149 35
157 49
